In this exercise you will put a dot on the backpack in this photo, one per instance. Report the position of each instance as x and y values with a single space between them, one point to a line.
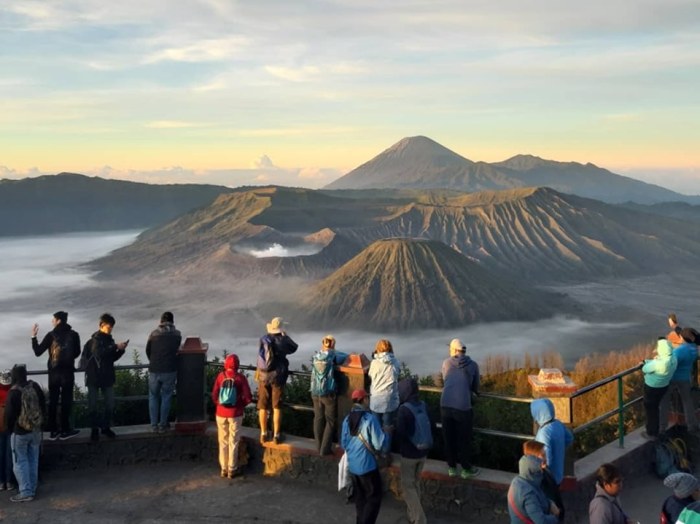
322 374
670 456
422 437
60 353
31 415
265 354
228 394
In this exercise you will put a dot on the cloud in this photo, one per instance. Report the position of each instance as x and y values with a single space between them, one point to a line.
200 51
172 124
294 74
263 162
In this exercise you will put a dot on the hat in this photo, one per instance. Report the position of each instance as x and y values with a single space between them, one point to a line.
682 484
359 395
456 345
274 327
5 378
61 315
688 335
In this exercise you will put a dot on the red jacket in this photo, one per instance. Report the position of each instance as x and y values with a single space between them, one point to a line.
243 396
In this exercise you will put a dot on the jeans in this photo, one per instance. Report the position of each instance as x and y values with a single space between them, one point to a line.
325 414
683 388
652 399
25 458
410 486
229 436
161 387
457 426
60 386
98 420
6 458
368 496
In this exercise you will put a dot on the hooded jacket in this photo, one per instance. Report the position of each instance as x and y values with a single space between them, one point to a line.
525 496
686 354
691 514
243 396
162 347
406 425
460 375
659 370
71 340
99 354
360 421
605 509
384 388
555 436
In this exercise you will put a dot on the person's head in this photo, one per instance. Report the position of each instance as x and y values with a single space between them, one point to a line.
107 323
18 374
59 317
360 396
167 317
672 320
663 348
536 449
610 479
684 485
274 327
688 335
6 378
457 348
328 342
383 346
231 362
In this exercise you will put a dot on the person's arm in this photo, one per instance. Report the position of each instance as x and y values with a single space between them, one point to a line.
405 423
13 406
76 345
568 437
38 348
649 366
148 348
476 379
534 511
345 435
216 388
375 436
40 395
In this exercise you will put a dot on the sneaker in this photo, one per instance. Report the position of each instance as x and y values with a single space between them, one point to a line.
109 433
155 429
647 436
21 498
53 435
470 472
11 487
3 487
277 438
235 472
95 434
264 437
451 472
69 434
224 474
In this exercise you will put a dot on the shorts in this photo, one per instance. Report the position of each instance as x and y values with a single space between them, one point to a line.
267 391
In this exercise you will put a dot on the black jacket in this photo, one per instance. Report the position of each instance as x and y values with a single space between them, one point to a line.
71 341
162 347
99 355
13 407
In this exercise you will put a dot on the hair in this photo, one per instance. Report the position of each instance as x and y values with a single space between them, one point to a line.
167 317
672 317
106 318
607 474
383 346
328 342
61 315
18 374
532 447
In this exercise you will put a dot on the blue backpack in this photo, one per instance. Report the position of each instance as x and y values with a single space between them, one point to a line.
265 354
228 394
422 437
322 376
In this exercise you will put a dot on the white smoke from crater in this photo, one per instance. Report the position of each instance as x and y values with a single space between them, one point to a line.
278 250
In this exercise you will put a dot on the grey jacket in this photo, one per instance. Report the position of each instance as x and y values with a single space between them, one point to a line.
605 509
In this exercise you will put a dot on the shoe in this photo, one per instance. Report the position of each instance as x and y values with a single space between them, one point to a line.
235 472
155 429
277 438
21 498
11 487
109 433
224 474
69 434
53 435
264 437
3 487
647 436
95 434
452 472
469 473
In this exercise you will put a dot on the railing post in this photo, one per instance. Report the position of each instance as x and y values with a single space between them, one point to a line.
353 375
621 415
191 385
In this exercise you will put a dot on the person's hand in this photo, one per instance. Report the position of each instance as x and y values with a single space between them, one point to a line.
122 345
553 509
35 330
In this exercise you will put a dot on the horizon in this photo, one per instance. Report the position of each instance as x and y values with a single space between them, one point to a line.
233 93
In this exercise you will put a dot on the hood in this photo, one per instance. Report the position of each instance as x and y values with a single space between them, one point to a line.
460 361
386 357
354 419
663 348
231 363
63 327
167 327
542 411
408 390
530 468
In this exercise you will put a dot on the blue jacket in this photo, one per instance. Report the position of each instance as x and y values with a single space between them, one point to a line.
686 354
360 421
460 376
527 496
555 436
659 370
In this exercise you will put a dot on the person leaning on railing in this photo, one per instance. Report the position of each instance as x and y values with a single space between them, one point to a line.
657 376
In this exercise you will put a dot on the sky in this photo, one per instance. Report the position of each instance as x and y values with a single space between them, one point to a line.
300 92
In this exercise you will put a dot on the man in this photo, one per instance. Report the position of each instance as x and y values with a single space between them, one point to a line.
161 350
63 345
361 438
271 374
98 358
460 376
23 417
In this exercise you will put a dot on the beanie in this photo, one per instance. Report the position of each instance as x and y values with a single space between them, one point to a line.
682 484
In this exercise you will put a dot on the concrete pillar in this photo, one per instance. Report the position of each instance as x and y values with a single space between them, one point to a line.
191 386
352 376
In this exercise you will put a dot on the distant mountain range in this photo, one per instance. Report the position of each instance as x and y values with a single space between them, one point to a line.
421 163
70 202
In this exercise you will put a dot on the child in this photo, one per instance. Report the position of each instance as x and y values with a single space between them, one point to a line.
231 394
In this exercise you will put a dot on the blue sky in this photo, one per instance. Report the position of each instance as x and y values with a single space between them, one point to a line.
301 92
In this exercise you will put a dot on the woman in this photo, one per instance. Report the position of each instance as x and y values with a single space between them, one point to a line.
605 506
384 387
657 376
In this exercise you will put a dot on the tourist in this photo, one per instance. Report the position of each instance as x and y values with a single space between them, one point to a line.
384 385
415 439
230 394
526 500
323 387
686 490
674 336
549 486
23 417
362 438
657 376
161 351
686 355
605 506
551 432
7 480
460 377
271 375
690 515
63 346
97 360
